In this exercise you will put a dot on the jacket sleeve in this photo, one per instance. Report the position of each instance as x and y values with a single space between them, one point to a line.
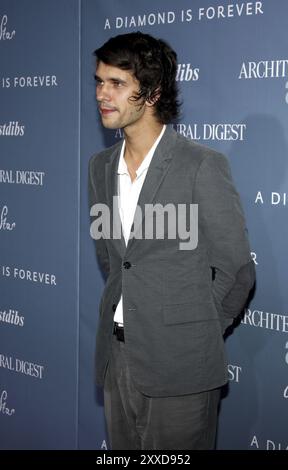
101 248
222 224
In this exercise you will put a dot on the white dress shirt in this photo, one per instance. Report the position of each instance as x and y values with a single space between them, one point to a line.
129 192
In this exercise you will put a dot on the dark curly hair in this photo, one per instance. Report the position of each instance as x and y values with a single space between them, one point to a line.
153 63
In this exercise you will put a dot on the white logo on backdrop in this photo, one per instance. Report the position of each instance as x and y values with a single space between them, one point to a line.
187 73
215 131
35 81
27 177
12 129
209 13
21 366
5 34
3 404
268 445
104 445
234 372
266 320
254 257
11 317
274 199
205 132
285 393
264 69
28 275
4 223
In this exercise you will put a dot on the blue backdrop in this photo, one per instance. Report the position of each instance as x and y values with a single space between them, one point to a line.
233 79
39 206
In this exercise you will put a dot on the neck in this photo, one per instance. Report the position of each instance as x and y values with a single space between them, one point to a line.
138 142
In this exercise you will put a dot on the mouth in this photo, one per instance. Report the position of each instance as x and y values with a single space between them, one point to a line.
106 111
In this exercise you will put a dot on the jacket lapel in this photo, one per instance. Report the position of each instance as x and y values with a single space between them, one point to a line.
111 184
155 175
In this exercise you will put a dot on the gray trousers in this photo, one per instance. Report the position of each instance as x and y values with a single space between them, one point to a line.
136 421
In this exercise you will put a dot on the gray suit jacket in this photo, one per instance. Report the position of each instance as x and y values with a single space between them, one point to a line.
175 310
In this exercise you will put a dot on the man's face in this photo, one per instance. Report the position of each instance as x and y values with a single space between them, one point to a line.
113 89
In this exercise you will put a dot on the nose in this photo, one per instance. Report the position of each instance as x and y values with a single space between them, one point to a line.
103 92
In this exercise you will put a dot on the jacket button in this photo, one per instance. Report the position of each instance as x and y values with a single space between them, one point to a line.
127 265
114 306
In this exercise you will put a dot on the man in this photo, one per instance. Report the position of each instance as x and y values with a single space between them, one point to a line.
167 302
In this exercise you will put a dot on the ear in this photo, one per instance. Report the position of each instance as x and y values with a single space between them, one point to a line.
153 98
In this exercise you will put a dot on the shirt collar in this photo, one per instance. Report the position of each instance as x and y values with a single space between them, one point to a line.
122 167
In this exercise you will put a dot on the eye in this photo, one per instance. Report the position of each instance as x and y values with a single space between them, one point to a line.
117 83
98 81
